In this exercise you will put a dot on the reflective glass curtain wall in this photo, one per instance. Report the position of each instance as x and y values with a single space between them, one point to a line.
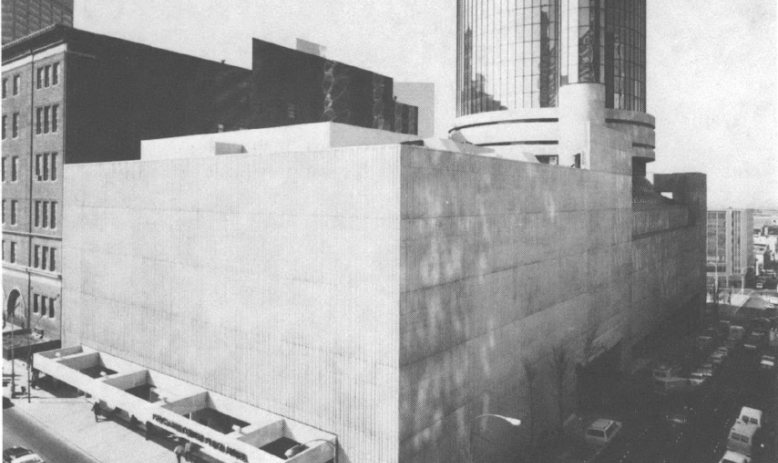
506 54
515 53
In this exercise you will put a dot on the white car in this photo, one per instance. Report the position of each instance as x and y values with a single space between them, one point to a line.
602 431
698 378
734 457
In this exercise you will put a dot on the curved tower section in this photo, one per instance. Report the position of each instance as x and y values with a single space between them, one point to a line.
515 58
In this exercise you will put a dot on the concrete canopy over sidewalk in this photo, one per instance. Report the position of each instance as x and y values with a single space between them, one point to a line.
223 428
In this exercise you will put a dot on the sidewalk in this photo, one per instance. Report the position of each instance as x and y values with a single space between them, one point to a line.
108 441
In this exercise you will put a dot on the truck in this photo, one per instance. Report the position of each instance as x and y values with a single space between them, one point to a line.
736 334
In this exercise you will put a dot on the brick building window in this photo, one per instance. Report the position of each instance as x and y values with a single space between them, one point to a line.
12 256
53 214
35 303
37 220
4 158
44 303
5 126
45 214
55 74
39 79
15 168
15 126
54 118
47 119
45 258
17 83
5 88
3 211
46 75
53 166
14 206
51 308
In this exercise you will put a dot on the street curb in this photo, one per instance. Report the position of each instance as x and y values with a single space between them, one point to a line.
56 433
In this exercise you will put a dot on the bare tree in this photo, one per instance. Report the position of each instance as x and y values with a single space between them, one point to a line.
531 373
560 361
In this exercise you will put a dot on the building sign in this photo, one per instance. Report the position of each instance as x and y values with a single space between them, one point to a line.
199 437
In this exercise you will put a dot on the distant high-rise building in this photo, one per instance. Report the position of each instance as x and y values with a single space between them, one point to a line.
730 243
23 17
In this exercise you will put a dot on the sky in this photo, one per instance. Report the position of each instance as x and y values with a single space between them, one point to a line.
711 66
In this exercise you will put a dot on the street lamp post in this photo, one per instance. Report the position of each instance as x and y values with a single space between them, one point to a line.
300 448
511 421
29 355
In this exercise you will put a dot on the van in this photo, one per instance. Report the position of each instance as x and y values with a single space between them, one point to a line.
750 415
741 437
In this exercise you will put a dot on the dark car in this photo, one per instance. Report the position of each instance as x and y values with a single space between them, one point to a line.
12 453
755 341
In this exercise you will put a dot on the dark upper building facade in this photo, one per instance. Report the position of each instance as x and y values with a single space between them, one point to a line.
295 87
516 55
23 17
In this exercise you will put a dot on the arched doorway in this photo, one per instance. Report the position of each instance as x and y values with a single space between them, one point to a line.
15 306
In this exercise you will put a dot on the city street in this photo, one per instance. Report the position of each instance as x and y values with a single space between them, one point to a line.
21 430
704 414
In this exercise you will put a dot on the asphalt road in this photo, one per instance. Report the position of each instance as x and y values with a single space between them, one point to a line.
19 429
648 437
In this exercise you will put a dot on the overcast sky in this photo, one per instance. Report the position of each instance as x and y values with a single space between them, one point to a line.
711 66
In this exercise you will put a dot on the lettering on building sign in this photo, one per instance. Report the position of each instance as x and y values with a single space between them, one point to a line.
199 437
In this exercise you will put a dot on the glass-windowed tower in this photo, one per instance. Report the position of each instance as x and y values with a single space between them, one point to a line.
515 57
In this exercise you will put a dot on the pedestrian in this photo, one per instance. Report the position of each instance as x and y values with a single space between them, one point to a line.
96 411
179 451
188 451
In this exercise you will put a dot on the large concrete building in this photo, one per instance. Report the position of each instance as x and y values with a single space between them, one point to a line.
730 247
385 294
381 288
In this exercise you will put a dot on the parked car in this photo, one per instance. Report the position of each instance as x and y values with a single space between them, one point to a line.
602 431
767 363
20 455
12 453
734 457
717 358
697 378
723 351
678 416
706 369
668 378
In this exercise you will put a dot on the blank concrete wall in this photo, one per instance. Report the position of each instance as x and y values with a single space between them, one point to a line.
271 279
501 262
